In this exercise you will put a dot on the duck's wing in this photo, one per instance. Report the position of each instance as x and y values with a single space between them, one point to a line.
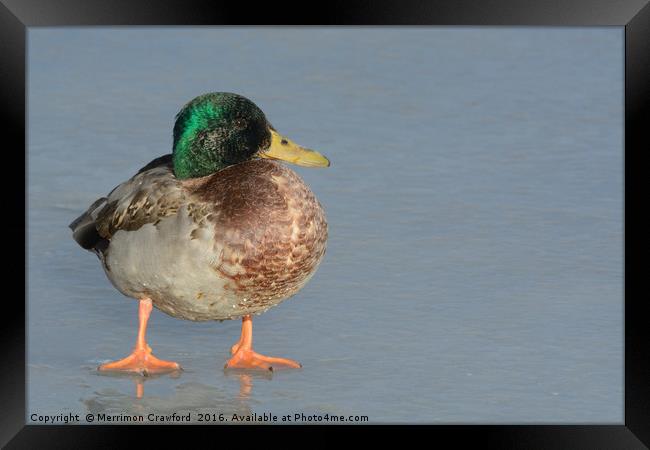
151 194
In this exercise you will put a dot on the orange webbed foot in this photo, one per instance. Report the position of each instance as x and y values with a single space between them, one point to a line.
141 361
248 359
243 356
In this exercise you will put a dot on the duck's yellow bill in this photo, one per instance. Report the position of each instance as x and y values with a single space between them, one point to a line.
286 150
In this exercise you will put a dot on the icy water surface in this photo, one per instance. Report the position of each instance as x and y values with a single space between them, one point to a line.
474 268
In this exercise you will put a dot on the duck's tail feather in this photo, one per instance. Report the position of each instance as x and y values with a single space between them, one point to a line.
84 229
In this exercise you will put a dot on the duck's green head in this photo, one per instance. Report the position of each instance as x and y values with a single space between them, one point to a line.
220 129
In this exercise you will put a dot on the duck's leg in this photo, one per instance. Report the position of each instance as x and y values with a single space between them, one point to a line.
237 344
142 360
243 356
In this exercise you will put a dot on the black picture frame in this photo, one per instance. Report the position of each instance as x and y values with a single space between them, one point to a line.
18 15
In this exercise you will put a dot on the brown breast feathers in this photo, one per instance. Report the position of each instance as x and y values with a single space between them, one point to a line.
269 229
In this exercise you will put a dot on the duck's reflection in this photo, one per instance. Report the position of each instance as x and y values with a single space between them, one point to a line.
140 380
189 398
246 378
139 388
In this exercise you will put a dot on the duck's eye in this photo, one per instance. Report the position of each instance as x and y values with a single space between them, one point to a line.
240 123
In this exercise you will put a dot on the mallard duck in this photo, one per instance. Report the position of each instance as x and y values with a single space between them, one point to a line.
216 230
